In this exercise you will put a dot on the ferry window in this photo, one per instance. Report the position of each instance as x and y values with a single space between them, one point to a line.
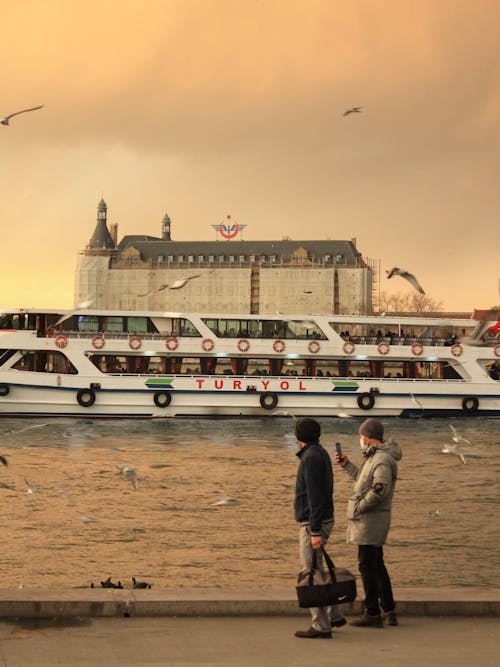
180 258
5 355
113 324
45 362
137 325
305 329
200 258
221 258
190 259
211 258
88 323
242 258
170 258
187 328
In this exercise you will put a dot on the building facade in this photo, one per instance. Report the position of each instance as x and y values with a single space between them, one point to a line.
227 276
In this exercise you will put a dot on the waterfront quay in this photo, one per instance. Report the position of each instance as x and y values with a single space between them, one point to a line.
87 627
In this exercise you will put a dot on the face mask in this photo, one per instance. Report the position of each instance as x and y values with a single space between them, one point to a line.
363 445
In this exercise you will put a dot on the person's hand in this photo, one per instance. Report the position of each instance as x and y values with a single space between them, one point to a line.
342 460
316 541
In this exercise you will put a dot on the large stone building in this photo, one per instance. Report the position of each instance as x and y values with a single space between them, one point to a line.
232 276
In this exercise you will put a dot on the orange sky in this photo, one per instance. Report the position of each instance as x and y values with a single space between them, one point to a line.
207 107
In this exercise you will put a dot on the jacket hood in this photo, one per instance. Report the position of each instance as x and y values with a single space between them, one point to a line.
391 447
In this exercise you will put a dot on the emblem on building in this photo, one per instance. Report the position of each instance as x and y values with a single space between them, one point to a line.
229 228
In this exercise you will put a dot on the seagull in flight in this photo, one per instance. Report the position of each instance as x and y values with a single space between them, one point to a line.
453 449
130 473
352 110
177 284
83 305
5 121
407 276
225 500
457 437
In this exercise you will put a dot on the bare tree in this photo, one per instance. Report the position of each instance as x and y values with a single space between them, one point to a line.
408 303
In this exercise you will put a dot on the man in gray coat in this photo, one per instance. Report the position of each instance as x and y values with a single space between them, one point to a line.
369 519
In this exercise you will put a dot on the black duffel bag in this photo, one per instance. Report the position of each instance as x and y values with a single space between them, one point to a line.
322 588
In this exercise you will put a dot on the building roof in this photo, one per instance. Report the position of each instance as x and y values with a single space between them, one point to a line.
152 247
101 238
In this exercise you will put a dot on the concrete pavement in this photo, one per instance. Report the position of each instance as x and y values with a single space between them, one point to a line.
245 642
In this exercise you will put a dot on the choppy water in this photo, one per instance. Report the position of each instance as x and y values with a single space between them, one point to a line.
85 521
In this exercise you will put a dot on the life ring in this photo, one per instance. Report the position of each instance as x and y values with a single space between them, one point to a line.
279 345
268 400
134 342
98 342
348 347
417 349
496 350
60 341
86 397
243 345
171 343
162 399
207 344
313 347
4 389
366 401
383 348
456 349
470 405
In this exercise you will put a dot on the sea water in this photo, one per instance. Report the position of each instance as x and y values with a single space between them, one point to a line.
70 517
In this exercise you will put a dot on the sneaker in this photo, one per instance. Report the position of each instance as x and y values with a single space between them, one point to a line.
312 633
338 622
368 621
390 617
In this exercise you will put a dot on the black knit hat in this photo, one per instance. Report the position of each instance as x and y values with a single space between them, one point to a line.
373 429
307 430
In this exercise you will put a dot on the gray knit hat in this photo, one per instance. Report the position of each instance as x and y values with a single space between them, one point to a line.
373 429
307 430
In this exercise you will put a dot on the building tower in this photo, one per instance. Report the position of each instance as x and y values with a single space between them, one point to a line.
101 238
165 228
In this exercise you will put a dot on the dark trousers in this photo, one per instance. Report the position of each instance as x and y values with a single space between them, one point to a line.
376 580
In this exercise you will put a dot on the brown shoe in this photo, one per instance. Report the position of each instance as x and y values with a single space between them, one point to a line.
368 621
390 617
312 633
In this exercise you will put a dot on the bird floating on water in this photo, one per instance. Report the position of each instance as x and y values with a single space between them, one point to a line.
5 121
407 276
352 110
109 584
140 584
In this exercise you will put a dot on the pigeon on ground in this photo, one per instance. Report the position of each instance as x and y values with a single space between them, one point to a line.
408 276
5 121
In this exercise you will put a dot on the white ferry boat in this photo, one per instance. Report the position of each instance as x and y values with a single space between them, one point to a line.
91 363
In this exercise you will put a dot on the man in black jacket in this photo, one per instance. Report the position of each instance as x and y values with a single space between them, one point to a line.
314 512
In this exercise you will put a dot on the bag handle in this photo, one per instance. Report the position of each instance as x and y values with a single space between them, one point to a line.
329 562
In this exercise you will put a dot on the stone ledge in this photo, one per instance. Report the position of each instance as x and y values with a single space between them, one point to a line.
99 602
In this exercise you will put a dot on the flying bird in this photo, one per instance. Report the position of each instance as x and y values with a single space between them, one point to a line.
3 460
130 473
457 437
5 121
453 449
483 325
407 276
352 110
81 306
226 500
177 284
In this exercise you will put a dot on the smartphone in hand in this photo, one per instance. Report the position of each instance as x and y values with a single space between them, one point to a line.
338 447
